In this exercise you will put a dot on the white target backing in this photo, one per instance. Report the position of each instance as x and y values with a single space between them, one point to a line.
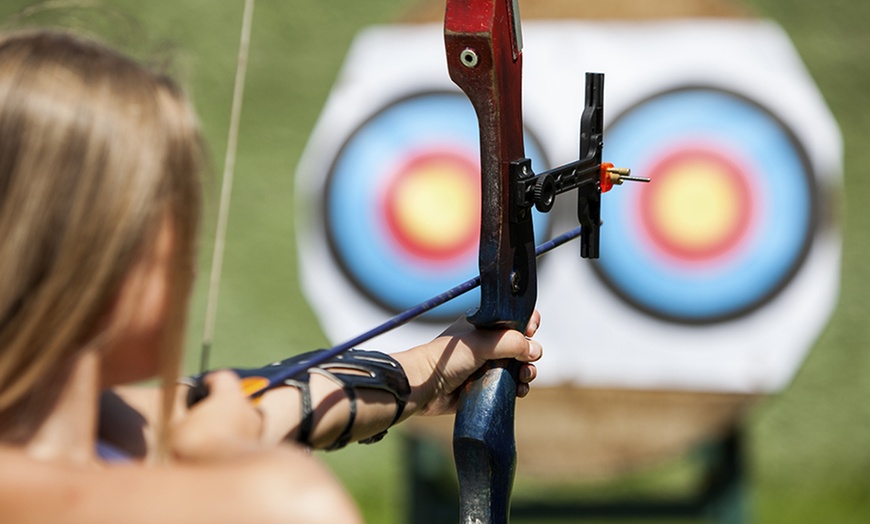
718 275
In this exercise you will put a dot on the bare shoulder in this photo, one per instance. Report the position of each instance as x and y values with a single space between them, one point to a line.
280 485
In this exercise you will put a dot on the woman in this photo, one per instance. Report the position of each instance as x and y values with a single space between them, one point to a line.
99 203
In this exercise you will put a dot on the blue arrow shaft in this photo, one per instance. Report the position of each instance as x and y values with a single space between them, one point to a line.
402 318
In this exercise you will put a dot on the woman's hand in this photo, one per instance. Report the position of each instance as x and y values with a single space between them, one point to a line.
438 369
223 425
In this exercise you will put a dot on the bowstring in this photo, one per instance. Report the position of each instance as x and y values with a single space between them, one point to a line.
226 186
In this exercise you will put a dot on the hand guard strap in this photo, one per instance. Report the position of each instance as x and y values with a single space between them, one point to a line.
362 369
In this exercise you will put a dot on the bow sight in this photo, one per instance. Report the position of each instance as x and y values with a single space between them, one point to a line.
589 175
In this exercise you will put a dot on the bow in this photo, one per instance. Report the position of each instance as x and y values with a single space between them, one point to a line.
226 185
483 41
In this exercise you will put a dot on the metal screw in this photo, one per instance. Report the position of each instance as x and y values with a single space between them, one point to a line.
468 57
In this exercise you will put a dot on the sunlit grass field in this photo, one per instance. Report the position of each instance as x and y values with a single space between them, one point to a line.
809 446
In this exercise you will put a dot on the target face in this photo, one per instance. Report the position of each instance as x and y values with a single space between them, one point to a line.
727 219
720 273
402 202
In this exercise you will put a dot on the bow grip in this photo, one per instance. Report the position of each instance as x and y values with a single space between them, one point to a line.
484 444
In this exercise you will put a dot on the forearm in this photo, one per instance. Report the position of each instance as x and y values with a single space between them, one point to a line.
131 413
434 372
374 411
282 413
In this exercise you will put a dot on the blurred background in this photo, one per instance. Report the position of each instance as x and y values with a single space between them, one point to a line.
806 446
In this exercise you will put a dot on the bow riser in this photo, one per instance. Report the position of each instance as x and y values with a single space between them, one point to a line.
485 60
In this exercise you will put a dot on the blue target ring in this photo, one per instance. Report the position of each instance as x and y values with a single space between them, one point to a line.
402 246
732 217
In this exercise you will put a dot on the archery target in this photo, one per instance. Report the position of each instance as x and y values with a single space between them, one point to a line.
717 276
729 215
402 202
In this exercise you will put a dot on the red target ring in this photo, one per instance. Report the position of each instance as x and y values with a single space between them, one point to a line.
431 205
701 207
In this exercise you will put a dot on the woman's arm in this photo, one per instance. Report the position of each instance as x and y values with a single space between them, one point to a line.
435 371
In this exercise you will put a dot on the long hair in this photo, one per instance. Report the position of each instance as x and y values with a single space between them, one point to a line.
96 151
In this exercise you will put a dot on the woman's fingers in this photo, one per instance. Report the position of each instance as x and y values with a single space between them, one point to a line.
223 383
222 425
512 344
536 351
522 390
534 324
528 373
226 389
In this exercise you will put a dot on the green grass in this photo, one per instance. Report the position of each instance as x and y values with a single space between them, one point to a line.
809 446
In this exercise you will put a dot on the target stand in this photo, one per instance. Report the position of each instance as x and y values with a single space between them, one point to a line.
721 495
598 451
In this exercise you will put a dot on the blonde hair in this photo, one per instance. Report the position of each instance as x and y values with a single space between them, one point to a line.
96 152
